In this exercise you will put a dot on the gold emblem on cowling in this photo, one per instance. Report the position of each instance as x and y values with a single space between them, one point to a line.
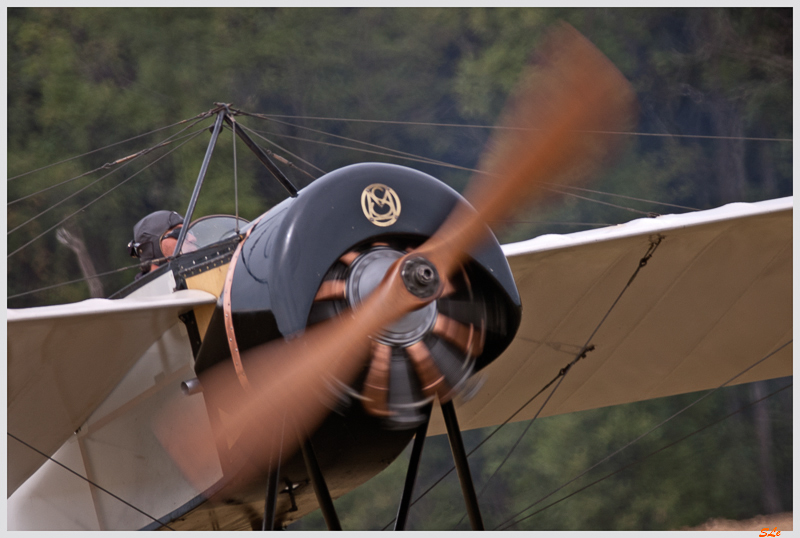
381 204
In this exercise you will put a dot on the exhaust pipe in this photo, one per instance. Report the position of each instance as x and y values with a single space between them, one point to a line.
191 386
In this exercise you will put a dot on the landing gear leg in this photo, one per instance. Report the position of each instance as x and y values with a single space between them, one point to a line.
320 487
271 500
462 466
411 475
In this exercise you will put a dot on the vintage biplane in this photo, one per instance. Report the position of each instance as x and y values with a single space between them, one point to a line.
280 363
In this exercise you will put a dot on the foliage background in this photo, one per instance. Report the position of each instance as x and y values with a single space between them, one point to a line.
80 79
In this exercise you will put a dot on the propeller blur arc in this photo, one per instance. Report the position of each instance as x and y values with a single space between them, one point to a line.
557 125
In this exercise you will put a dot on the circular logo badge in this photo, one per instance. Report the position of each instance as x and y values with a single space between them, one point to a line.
381 204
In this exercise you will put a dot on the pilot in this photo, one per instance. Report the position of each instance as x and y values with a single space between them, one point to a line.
155 238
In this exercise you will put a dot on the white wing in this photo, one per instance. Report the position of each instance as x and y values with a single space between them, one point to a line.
63 361
715 297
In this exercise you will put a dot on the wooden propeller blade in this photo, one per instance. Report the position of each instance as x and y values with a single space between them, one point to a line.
552 133
376 385
431 379
290 381
560 125
465 337
331 290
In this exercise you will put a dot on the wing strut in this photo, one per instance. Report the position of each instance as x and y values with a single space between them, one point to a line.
264 158
200 177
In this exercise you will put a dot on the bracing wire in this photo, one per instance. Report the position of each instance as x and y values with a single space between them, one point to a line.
403 154
616 206
555 222
101 488
105 193
235 175
77 280
345 138
388 152
642 459
65 199
514 446
560 374
587 347
123 161
498 127
127 161
202 115
513 519
628 197
255 133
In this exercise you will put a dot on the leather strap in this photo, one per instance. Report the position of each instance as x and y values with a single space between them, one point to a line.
226 307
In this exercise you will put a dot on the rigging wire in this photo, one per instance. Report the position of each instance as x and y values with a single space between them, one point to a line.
271 154
114 271
442 163
199 117
426 160
560 374
101 488
239 126
388 152
126 161
628 197
106 193
510 521
62 200
497 127
514 447
235 173
348 139
632 210
423 160
106 166
589 224
640 460
587 347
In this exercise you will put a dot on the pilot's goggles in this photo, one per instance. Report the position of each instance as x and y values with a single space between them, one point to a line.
135 249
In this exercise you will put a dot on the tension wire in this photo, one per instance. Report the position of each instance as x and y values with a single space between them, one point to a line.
200 116
425 160
510 521
498 127
106 193
587 347
101 488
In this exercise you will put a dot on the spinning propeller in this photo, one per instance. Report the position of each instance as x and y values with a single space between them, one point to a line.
558 127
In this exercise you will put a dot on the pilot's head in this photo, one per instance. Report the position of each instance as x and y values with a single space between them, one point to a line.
155 237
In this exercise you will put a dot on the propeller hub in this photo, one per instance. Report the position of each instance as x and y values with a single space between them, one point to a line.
420 277
367 272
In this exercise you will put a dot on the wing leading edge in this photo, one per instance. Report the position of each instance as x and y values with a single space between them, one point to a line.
64 360
714 298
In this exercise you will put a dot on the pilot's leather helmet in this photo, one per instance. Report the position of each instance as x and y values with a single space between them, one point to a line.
147 233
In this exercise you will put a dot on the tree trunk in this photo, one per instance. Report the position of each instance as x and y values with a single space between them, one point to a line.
763 426
729 153
78 246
